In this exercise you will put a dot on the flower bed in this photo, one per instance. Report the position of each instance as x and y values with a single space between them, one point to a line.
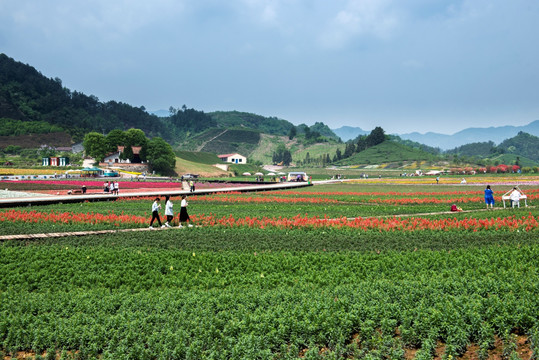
510 223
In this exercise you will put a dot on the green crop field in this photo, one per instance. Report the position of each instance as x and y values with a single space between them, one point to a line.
387 152
337 271
199 157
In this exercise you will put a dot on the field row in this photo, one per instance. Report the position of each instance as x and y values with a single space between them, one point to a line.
21 221
149 301
326 272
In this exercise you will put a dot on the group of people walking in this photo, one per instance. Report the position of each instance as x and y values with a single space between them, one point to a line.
169 213
111 187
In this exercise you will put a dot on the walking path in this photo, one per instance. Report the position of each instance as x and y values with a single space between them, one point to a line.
7 194
42 199
115 231
213 138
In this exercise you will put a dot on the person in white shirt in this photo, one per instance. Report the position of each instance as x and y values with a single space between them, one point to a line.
184 217
515 197
155 213
168 211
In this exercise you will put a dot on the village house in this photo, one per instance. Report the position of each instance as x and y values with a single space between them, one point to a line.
233 158
114 158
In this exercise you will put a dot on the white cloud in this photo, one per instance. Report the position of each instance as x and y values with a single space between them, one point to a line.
262 11
360 18
104 18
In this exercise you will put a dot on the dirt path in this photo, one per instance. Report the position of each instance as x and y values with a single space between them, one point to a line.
213 138
78 233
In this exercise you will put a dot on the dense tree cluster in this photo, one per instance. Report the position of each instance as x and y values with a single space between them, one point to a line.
18 127
25 94
282 156
523 144
37 98
191 120
363 142
236 119
320 160
415 145
156 151
474 149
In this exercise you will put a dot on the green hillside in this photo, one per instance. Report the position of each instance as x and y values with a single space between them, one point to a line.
231 141
320 128
388 151
236 119
267 145
510 159
194 167
199 157
223 141
523 144
317 150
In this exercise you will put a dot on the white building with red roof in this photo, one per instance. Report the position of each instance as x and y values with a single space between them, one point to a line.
233 158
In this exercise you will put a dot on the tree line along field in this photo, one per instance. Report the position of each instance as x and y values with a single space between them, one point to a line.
276 275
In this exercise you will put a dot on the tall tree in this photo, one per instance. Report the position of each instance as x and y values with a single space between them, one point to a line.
95 145
338 154
160 156
114 139
136 137
293 132
377 136
361 143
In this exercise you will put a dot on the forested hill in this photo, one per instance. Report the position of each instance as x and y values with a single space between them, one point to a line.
523 144
25 94
28 95
268 125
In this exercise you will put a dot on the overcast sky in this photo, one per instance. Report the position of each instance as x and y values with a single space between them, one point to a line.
404 65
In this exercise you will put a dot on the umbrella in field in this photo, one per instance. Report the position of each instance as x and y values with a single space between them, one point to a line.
281 173
246 174
271 174
259 174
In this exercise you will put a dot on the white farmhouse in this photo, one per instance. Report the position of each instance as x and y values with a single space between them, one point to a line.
233 158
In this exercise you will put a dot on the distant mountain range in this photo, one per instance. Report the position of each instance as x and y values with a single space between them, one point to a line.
446 142
471 135
349 132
